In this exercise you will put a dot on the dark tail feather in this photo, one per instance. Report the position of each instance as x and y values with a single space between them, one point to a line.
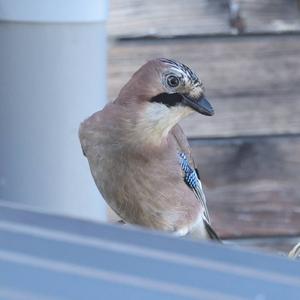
211 233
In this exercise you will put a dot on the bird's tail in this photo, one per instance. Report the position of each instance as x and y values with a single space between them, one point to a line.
295 252
211 232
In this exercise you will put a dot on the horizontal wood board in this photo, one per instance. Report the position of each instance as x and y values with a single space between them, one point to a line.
252 184
271 15
253 83
166 17
131 18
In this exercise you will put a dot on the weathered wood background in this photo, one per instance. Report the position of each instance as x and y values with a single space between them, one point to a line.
248 154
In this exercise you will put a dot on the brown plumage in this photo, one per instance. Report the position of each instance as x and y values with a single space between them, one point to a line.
133 148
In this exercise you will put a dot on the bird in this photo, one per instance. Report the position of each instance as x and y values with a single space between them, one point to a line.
139 156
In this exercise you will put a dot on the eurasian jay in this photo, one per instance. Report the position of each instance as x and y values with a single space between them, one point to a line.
139 156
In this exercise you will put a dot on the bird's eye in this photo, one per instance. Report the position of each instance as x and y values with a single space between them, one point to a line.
173 81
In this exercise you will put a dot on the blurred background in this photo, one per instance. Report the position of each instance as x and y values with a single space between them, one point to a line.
248 55
58 59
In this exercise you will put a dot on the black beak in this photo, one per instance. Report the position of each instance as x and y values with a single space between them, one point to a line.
200 105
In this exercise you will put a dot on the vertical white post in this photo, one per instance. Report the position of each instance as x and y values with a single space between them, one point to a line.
52 76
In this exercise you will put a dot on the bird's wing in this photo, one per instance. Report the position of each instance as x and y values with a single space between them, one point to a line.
191 174
183 144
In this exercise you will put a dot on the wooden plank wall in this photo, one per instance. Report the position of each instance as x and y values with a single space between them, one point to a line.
249 152
161 18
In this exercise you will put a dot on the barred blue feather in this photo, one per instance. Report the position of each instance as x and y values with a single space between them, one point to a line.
190 175
192 179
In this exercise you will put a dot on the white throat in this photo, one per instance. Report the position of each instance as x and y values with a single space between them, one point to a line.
157 120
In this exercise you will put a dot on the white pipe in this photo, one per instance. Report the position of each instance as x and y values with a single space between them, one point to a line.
52 76
54 10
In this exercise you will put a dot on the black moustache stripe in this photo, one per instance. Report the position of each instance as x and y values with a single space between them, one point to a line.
167 99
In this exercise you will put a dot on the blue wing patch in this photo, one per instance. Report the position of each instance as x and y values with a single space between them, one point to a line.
192 179
190 175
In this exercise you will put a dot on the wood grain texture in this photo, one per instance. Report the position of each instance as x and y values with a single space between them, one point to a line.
174 17
253 83
166 17
252 184
271 15
261 208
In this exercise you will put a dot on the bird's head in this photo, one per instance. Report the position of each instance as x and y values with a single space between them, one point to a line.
180 87
165 91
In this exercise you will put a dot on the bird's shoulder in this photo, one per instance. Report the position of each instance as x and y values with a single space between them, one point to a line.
95 126
182 143
98 119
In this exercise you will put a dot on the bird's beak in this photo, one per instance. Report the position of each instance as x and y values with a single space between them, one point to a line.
200 105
